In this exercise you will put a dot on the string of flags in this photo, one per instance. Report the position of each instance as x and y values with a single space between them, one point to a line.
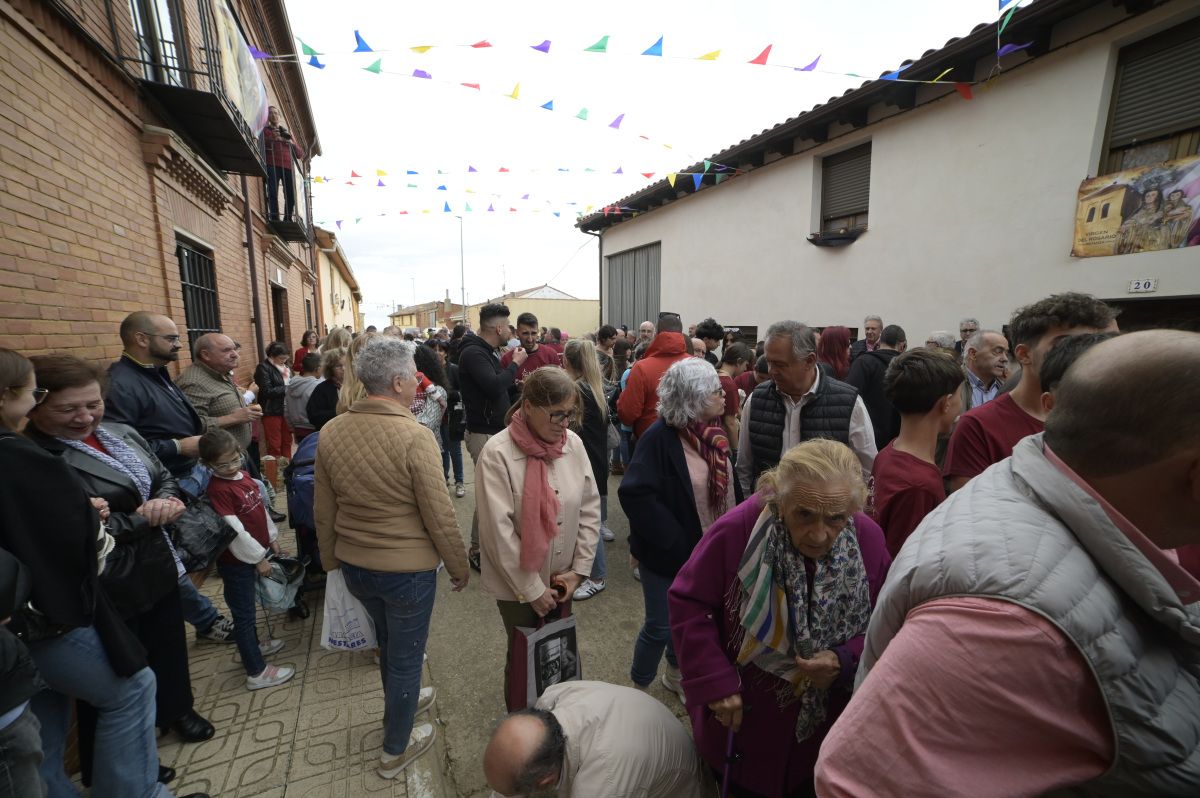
713 167
491 208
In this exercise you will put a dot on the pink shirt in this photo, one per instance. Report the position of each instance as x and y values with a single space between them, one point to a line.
981 697
698 472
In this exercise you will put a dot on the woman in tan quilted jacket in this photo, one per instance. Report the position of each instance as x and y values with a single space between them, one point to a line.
539 508
383 516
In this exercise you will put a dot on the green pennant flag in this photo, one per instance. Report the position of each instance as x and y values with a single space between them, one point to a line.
412 185
1008 18
582 114
707 166
468 207
357 220
599 47
375 67
306 49
721 176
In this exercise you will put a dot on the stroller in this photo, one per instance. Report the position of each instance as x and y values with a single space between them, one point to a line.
299 481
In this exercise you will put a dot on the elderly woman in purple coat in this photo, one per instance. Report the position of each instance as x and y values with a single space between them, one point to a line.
768 617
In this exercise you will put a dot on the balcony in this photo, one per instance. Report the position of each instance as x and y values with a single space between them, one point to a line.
291 226
209 90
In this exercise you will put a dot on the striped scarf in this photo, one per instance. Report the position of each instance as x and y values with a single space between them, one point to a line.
713 446
121 457
780 620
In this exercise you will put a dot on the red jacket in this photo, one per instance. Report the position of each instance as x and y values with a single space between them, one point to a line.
638 405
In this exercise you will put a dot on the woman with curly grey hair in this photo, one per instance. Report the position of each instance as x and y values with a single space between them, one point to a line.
679 481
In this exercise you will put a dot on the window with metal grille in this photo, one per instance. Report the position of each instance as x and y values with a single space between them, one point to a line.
1155 114
159 46
846 189
198 277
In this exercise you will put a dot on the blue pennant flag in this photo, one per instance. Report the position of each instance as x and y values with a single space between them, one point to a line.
362 47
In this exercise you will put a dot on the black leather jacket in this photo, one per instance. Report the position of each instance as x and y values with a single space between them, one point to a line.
271 388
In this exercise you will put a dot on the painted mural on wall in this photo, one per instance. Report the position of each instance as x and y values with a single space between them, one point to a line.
1139 210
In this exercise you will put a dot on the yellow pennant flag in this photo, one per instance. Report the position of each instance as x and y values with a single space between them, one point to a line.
710 56
516 92
944 74
318 179
380 173
422 49
671 179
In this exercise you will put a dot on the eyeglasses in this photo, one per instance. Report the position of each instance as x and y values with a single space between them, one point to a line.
226 464
558 416
39 394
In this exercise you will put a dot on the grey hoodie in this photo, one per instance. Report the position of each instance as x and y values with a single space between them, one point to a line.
295 401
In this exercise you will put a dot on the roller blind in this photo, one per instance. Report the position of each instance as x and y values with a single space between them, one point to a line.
846 183
1158 87
634 284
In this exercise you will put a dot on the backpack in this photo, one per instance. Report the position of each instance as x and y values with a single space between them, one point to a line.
300 480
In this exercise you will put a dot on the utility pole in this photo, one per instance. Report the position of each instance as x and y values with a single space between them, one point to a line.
462 273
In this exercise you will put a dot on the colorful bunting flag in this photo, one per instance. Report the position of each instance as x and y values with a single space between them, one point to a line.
380 184
556 214
671 179
424 48
964 90
313 62
761 58
503 169
258 54
544 47
470 85
362 47
707 166
647 175
412 185
307 50
441 188
721 176
599 47
616 123
548 106
354 173
582 114
944 74
1009 49
894 75
412 172
655 49
376 67
380 173
525 197
339 223
484 43
472 169
713 56
1007 19
446 208
467 207
696 180
490 208
619 171
810 67
516 92
421 73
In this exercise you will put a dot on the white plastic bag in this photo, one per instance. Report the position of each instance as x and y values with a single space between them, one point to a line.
345 625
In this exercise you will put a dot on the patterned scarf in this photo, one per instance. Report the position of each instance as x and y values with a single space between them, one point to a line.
780 620
120 457
713 446
539 504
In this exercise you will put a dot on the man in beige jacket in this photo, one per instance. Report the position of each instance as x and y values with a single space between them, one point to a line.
591 739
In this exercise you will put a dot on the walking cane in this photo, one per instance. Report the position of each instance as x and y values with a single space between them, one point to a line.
728 764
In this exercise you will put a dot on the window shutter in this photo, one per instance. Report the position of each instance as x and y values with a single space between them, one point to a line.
846 183
1158 87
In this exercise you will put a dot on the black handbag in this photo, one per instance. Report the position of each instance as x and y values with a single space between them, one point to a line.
200 535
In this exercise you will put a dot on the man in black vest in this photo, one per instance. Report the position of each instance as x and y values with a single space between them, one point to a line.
797 404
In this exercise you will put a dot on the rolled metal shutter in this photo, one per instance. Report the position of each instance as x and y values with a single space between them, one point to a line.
1158 87
846 183
634 286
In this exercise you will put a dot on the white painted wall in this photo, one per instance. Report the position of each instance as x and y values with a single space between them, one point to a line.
972 211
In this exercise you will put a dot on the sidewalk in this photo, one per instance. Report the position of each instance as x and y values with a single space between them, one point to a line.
318 736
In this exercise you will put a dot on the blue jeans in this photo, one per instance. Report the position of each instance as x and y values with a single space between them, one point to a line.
240 580
125 763
400 604
197 609
656 630
600 565
21 757
624 451
451 453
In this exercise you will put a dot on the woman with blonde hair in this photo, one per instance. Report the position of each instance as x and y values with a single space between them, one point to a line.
769 613
338 338
539 507
582 365
352 388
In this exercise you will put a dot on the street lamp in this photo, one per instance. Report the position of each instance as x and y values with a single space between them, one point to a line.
462 274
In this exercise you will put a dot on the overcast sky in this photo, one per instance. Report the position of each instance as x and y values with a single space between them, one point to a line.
396 123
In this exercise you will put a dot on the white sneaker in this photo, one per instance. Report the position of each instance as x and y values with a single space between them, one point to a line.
460 489
419 742
637 574
272 676
588 589
270 647
607 534
426 698
671 680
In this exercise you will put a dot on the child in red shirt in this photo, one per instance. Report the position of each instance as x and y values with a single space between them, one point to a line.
236 497
923 385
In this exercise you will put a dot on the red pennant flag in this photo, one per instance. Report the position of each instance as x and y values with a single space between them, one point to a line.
647 175
762 57
502 169
606 210
484 43
354 173
964 90
471 85
403 213
513 210
349 182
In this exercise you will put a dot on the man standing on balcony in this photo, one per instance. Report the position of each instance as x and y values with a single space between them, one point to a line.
281 151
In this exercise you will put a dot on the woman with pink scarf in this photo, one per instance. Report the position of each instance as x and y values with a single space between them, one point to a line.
539 507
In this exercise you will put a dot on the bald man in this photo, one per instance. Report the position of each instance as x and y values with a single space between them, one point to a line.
1037 634
593 739
208 385
141 394
645 332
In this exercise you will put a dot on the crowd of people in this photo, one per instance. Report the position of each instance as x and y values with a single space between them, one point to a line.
958 568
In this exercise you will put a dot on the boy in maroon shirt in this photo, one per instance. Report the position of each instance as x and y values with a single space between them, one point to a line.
923 385
988 433
539 354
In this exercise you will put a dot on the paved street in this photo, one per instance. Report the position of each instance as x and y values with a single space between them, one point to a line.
319 736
